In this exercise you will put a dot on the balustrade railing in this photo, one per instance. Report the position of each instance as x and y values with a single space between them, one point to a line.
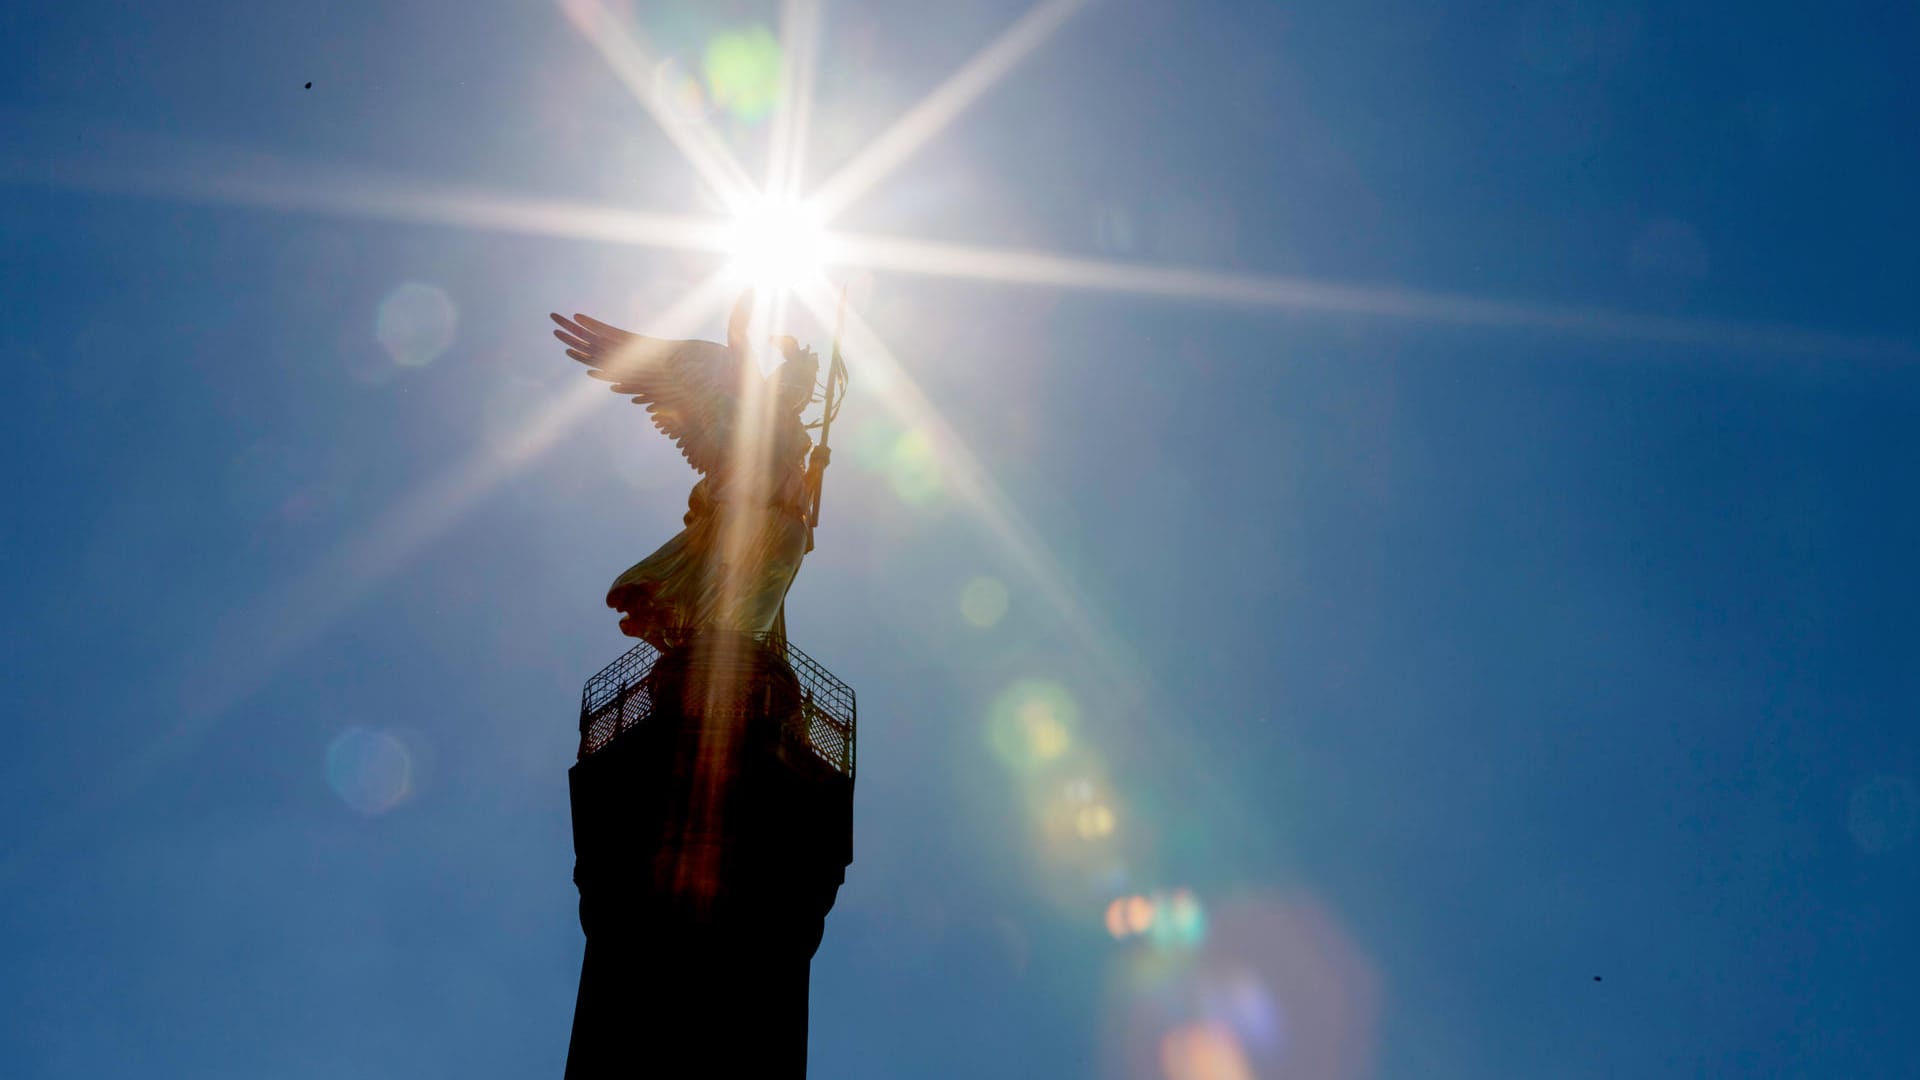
620 698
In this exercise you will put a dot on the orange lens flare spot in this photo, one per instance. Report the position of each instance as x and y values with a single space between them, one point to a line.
1129 916
1174 922
1204 1051
1139 914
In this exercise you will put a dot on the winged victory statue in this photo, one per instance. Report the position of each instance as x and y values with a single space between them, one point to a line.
750 517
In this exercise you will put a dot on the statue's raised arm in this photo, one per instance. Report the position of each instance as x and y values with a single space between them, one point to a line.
747 518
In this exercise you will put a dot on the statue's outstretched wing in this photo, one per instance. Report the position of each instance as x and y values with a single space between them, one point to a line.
689 387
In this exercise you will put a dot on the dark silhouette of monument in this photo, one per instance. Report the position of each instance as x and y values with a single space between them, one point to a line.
712 828
713 792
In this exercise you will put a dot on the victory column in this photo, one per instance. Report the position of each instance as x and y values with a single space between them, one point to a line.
713 792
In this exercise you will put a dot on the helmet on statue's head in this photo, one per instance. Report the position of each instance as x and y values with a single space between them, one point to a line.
794 378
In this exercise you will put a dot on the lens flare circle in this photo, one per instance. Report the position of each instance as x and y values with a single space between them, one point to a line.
1031 724
416 323
1178 922
913 468
743 71
1139 914
1173 921
1207 1050
371 771
983 602
1278 988
1094 821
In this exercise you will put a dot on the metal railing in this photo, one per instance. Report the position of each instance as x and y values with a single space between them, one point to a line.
619 698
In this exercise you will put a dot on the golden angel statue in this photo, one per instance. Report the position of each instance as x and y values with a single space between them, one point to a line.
751 516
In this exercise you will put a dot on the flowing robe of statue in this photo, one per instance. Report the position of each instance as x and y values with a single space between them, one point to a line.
747 518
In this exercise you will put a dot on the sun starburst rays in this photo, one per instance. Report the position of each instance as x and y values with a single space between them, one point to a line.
782 244
793 263
329 588
793 109
779 241
973 483
1010 266
626 52
935 111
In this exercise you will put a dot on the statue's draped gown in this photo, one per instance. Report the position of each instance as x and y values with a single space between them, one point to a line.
730 567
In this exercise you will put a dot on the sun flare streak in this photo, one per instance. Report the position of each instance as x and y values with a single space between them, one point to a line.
934 112
394 200
254 639
910 407
1017 267
330 588
626 52
196 172
793 107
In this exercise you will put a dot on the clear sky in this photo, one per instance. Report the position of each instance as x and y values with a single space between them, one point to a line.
1373 539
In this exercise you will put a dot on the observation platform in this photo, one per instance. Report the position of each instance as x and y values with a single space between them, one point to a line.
621 696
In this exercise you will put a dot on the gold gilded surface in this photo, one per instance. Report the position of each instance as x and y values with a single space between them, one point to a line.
748 520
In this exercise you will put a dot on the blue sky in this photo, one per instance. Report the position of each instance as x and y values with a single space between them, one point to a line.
1541 609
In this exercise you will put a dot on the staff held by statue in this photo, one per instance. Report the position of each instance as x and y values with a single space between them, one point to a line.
817 460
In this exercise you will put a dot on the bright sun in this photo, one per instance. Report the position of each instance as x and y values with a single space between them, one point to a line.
777 243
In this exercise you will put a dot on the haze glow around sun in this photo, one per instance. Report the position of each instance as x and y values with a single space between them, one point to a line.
777 243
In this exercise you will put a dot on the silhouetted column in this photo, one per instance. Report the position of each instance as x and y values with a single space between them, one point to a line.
709 845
